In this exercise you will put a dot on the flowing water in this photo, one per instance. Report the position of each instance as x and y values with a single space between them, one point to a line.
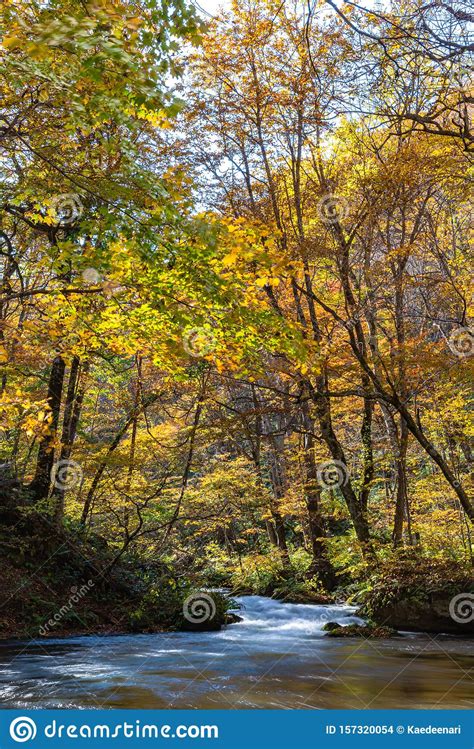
278 657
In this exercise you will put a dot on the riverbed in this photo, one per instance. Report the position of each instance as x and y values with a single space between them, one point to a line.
277 657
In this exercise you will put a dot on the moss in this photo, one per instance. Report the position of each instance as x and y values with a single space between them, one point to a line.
333 629
413 579
178 606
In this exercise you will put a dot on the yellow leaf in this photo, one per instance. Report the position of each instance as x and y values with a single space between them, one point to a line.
11 42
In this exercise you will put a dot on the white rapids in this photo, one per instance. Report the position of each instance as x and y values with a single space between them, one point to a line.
268 618
277 657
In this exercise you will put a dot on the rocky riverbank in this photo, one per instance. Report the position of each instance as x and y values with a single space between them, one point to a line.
429 596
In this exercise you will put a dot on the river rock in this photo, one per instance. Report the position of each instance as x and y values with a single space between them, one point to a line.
231 618
429 615
331 626
334 629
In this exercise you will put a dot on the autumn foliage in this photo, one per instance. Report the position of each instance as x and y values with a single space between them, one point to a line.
235 288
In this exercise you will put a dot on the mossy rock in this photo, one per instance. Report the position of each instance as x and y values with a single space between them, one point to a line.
206 611
422 595
232 618
333 629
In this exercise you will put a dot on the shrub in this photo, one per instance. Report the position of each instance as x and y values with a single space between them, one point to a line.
408 576
163 606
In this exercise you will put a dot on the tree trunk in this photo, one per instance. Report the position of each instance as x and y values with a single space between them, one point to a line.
321 564
72 413
112 447
40 485
277 476
401 505
356 510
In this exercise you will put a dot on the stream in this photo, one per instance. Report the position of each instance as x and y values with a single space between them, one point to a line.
277 657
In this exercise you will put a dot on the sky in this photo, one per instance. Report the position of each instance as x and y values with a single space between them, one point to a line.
210 5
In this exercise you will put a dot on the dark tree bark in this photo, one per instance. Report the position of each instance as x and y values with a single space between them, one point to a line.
72 413
321 564
40 485
401 504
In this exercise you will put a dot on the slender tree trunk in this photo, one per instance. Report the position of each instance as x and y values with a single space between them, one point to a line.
321 564
356 336
357 512
414 426
401 505
72 413
271 533
319 394
276 527
133 440
103 465
40 485
277 476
